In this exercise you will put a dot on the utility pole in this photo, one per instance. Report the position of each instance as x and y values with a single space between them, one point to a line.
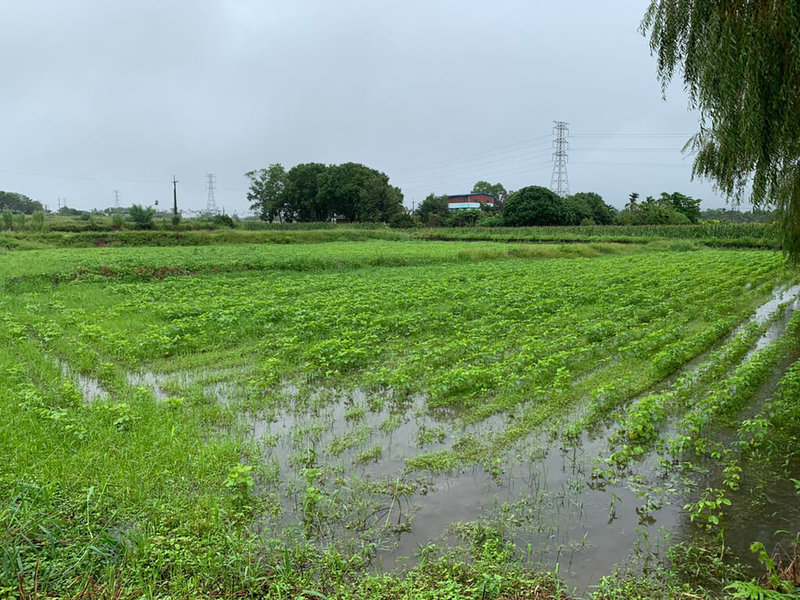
559 182
174 195
211 184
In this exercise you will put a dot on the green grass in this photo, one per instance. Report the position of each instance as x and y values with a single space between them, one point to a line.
166 237
346 343
72 233
754 235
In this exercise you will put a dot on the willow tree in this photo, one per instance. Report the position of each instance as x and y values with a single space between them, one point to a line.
740 61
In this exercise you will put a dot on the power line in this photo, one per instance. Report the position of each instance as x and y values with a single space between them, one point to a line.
479 166
626 150
440 182
634 164
632 135
516 147
80 177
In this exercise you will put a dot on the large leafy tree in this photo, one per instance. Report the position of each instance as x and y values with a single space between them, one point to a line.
588 207
535 205
433 210
18 203
578 210
495 189
741 67
359 193
652 212
683 204
302 193
266 193
317 192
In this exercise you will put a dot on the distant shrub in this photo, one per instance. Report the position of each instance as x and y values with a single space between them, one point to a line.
223 221
402 221
37 221
117 221
490 221
653 214
8 219
142 217
93 224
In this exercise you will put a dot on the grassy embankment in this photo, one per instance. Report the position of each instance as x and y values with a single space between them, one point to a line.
745 235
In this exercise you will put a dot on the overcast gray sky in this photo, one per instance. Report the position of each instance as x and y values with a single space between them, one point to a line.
104 95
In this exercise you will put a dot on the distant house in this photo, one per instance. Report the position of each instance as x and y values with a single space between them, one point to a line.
469 201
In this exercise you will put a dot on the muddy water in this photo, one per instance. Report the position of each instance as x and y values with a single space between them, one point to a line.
542 495
538 495
548 509
766 507
395 429
90 387
165 385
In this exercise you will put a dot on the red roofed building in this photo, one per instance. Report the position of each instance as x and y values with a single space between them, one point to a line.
469 201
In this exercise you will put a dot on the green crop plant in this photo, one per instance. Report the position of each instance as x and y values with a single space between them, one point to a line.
240 482
707 512
263 419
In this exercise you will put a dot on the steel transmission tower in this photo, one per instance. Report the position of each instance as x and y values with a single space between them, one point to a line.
116 199
211 184
559 183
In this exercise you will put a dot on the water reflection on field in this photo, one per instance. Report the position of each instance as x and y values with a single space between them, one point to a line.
544 494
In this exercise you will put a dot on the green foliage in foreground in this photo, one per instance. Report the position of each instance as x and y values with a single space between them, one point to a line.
129 488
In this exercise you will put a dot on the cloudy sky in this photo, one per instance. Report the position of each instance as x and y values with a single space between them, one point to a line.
105 95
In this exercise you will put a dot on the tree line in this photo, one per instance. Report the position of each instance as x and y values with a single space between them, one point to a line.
316 192
18 203
539 206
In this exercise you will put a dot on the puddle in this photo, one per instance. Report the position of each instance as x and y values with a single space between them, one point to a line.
90 387
538 494
347 428
787 300
781 296
215 383
165 385
548 510
149 380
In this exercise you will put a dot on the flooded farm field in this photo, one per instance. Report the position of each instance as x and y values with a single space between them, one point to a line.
344 427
